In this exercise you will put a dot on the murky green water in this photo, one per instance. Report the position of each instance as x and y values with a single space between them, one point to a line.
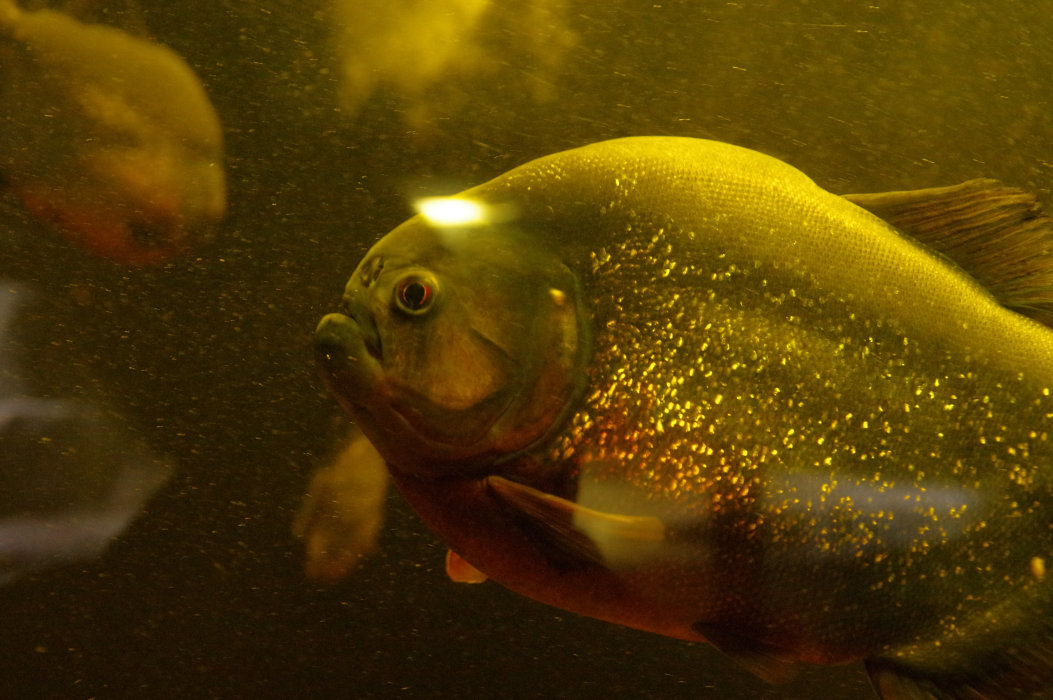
210 355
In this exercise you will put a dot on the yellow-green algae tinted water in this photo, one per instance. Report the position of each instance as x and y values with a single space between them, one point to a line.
210 354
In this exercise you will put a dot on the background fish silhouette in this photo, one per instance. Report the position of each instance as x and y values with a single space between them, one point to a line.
72 475
108 137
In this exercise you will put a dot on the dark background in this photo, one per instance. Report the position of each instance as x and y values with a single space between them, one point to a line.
210 355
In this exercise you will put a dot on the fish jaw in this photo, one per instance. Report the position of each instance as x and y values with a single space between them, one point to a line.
345 362
393 416
349 363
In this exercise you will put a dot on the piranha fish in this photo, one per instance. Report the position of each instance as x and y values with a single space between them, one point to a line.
73 476
108 137
673 384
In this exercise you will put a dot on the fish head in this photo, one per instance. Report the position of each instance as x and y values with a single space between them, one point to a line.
456 345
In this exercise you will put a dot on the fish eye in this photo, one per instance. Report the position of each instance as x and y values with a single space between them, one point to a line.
414 294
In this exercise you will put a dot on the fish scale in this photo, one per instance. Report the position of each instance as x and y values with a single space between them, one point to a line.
737 467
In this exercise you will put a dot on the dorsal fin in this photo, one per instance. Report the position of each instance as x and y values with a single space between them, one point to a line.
997 234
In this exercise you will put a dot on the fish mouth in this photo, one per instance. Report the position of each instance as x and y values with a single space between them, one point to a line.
348 356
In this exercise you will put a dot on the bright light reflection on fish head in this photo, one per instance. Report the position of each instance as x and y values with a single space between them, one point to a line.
460 211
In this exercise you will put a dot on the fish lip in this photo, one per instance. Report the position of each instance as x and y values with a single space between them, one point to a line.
367 326
343 356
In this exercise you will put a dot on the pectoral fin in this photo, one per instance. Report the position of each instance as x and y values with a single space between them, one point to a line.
587 536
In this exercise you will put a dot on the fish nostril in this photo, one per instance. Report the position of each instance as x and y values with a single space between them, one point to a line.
371 271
